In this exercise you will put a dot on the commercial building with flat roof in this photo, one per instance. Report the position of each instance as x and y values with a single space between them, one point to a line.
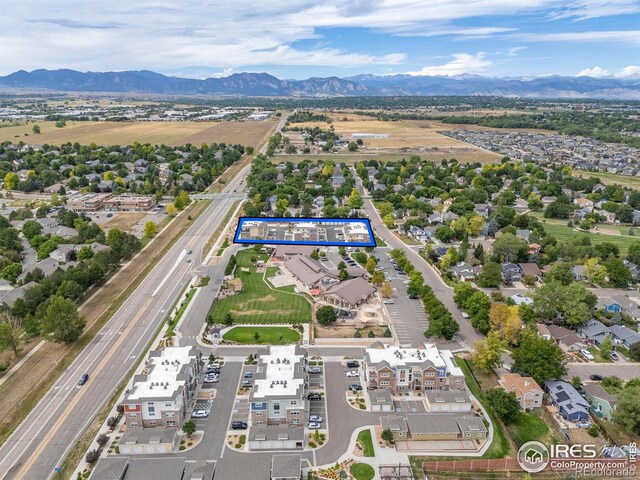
130 203
411 369
88 202
161 394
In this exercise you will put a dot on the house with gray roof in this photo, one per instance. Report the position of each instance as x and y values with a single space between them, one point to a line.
463 271
286 467
381 400
445 426
603 403
571 405
397 424
624 335
594 331
447 401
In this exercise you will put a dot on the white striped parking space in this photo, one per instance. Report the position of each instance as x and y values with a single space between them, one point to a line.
418 310
402 332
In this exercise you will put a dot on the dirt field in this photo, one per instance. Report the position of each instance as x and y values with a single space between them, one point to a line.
124 133
407 137
125 221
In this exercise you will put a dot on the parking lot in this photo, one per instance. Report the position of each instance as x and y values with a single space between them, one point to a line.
318 407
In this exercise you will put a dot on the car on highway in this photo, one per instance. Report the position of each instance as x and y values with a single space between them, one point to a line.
353 373
316 418
200 414
238 425
388 302
586 354
595 377
314 396
83 379
352 364
313 425
315 370
354 386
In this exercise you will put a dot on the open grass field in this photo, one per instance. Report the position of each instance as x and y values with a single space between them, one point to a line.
266 335
528 427
125 220
125 133
258 303
564 233
611 178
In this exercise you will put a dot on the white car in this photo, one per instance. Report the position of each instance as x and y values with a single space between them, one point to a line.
465 315
199 414
313 425
587 354
353 373
315 418
388 302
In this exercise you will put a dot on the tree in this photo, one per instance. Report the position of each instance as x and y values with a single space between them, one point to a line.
444 233
490 276
570 304
460 227
102 439
606 347
371 265
11 180
62 322
326 315
487 354
11 332
627 413
31 228
355 200
505 320
561 272
416 284
387 207
189 428
634 352
509 248
477 306
386 290
594 272
475 225
576 381
618 273
85 253
112 422
35 129
504 403
377 278
462 291
171 210
92 456
357 334
353 146
389 220
633 254
182 200
538 358
228 319
387 435
150 229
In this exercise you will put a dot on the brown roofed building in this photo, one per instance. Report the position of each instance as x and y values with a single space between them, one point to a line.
527 390
309 272
349 294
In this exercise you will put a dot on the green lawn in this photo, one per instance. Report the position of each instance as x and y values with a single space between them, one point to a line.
564 233
267 335
610 178
362 471
258 303
527 427
364 437
379 242
500 446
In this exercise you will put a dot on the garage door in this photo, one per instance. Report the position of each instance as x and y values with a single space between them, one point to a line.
375 408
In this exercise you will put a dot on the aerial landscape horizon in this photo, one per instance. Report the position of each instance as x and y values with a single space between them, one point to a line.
384 240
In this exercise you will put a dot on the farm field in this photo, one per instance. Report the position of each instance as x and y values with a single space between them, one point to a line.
258 303
405 138
266 335
125 133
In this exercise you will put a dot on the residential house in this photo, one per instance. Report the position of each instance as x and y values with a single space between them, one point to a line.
633 268
531 270
397 424
481 209
349 294
610 217
520 299
579 273
566 339
463 272
161 394
526 389
603 403
594 331
278 395
511 272
523 234
571 405
402 369
435 218
624 336
583 203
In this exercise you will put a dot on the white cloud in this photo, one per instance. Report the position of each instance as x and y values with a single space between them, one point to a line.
594 72
462 63
630 71
587 9
627 37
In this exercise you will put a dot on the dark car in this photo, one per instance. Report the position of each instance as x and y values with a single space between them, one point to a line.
314 396
237 425
355 386
595 377
83 379
352 364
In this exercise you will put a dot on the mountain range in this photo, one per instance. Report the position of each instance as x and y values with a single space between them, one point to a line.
263 84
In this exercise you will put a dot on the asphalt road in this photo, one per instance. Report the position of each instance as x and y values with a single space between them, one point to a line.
626 371
41 442
467 335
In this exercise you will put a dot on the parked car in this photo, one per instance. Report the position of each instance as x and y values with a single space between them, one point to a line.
313 425
315 370
189 252
586 354
109 215
247 383
352 364
213 370
465 315
355 386
353 373
388 302
200 414
83 379
238 425
595 377
314 396
615 356
248 374
316 418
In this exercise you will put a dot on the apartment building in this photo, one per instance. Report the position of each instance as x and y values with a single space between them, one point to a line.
278 394
130 203
162 392
411 369
88 202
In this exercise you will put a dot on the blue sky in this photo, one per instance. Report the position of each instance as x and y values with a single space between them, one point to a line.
302 38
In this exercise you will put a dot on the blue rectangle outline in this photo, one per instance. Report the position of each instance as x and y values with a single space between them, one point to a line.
366 221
